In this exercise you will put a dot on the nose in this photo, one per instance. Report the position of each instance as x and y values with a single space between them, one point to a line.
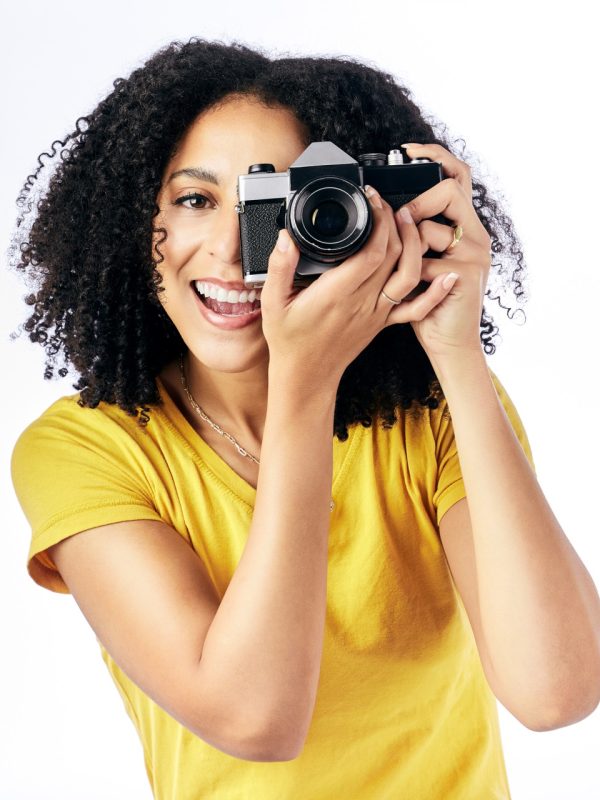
224 240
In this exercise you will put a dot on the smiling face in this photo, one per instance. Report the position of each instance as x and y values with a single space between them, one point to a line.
197 203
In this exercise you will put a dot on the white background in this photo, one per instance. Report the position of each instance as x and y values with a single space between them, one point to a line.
519 82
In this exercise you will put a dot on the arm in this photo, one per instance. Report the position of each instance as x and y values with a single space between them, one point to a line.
264 645
250 668
539 609
242 673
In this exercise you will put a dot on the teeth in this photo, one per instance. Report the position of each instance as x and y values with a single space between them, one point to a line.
226 296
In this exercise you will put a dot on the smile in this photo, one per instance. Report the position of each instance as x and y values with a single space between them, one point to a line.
225 315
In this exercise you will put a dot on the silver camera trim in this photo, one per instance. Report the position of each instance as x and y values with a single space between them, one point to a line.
270 186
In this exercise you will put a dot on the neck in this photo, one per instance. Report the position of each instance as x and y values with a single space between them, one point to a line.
236 401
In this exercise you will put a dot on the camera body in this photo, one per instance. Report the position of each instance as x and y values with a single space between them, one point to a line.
321 201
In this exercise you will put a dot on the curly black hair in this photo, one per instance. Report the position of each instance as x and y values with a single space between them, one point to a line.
88 251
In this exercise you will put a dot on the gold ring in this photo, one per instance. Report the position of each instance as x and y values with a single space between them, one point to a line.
458 232
395 302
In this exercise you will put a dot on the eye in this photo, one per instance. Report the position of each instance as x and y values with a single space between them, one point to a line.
193 196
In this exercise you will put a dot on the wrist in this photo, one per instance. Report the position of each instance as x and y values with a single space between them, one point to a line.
455 369
287 377
447 365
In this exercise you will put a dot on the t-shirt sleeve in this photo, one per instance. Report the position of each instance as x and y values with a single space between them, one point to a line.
450 486
70 476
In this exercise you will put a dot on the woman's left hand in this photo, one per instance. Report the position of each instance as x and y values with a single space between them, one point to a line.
454 324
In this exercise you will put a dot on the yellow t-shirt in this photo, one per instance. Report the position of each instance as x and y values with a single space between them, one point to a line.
403 708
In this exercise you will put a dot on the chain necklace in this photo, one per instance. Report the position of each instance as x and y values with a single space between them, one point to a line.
206 418
218 428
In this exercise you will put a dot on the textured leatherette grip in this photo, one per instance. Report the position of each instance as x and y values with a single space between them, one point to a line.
258 234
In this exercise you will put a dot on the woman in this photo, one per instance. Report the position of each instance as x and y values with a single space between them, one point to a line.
285 616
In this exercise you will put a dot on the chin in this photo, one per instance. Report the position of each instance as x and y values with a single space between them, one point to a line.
231 360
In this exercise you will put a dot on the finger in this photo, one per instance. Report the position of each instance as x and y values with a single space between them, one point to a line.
447 198
359 267
407 273
476 261
417 309
282 264
452 166
438 237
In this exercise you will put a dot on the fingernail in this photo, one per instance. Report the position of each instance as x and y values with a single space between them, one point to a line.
449 280
373 196
410 144
283 240
405 214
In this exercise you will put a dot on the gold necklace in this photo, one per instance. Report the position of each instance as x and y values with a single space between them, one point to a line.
206 418
218 428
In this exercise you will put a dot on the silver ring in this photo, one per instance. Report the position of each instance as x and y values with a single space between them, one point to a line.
394 302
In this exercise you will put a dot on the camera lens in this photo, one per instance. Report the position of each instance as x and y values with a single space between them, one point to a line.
329 218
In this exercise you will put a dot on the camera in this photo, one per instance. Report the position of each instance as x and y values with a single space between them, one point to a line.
321 201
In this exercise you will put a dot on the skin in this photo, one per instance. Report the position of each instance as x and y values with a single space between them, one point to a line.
227 371
533 606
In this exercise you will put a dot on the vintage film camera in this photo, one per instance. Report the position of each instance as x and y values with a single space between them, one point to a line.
321 202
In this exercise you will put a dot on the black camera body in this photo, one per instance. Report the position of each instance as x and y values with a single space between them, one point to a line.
322 203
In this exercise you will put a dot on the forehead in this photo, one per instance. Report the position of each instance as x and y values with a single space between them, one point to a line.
241 131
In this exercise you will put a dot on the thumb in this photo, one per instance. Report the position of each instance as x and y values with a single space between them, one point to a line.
280 272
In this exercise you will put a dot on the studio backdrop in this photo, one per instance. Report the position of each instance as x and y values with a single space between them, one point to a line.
514 86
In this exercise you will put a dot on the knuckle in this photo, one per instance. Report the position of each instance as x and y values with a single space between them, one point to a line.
402 289
451 183
409 286
427 226
374 256
396 249
413 207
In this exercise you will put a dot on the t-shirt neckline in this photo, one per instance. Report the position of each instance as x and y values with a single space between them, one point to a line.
226 475
202 451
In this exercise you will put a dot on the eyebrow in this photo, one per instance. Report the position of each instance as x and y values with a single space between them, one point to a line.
198 173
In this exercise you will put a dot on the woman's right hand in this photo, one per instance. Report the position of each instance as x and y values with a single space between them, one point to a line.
317 331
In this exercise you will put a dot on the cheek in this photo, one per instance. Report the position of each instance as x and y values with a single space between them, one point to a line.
185 238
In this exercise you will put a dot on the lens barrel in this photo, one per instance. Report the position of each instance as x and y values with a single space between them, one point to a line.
329 218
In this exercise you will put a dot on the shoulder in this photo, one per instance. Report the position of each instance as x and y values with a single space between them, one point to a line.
69 431
68 416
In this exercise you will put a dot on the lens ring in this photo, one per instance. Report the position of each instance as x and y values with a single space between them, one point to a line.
311 202
325 190
329 189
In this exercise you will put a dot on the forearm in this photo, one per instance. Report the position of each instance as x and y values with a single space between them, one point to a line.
539 608
263 649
